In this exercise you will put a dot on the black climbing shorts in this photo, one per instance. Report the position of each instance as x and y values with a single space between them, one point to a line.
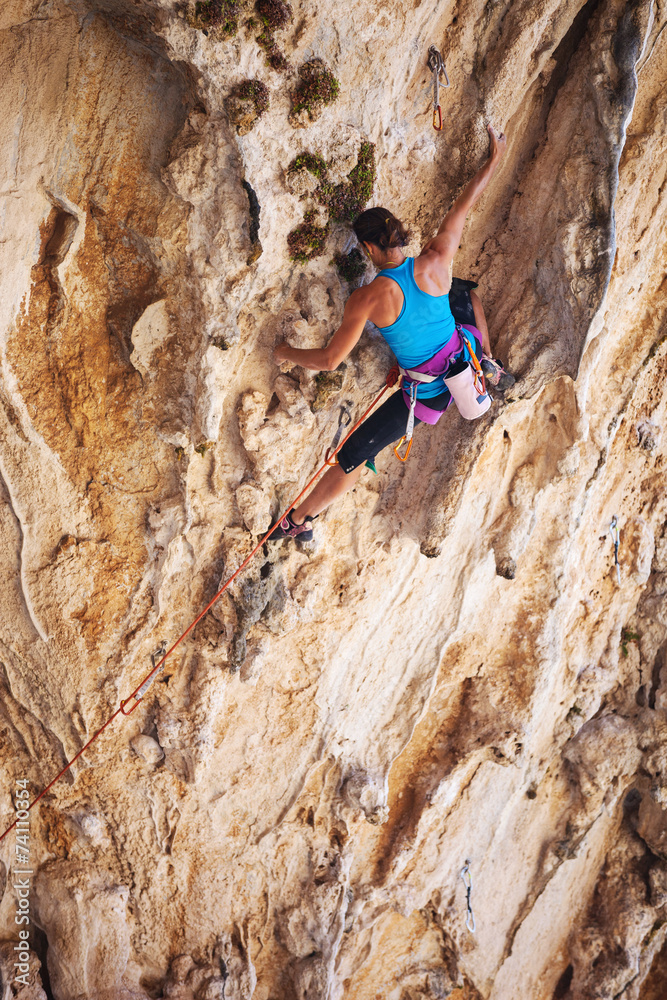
381 429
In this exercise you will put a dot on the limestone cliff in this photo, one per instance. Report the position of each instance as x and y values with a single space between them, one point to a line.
453 671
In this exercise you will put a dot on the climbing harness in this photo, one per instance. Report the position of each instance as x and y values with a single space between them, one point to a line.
437 66
344 420
466 875
157 665
615 537
467 388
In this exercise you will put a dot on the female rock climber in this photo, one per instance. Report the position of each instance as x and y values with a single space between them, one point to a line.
410 303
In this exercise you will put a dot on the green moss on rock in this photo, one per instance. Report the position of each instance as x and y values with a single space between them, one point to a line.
345 201
328 383
308 240
274 15
316 88
351 266
312 162
246 103
257 92
215 14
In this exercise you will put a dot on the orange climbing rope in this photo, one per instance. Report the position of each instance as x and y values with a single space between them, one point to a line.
140 690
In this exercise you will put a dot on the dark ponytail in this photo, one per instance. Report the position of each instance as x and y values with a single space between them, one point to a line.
381 227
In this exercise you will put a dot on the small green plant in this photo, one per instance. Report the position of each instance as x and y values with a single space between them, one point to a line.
274 56
220 343
246 103
180 452
221 14
274 15
255 91
312 162
317 87
573 712
626 637
327 384
307 240
351 266
345 201
331 380
202 448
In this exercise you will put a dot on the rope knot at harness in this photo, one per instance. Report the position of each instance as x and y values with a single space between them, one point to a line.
392 376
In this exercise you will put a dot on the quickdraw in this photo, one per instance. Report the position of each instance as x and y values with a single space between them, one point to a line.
466 875
616 538
344 420
157 663
409 430
478 374
437 66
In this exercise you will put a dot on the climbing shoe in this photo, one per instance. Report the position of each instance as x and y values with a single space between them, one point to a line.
288 529
495 374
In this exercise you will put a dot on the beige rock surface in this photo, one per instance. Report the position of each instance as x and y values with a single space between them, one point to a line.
451 672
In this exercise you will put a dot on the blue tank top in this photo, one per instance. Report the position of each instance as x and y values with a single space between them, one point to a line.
423 327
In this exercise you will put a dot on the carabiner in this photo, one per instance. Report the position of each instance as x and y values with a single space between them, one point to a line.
124 703
479 381
404 458
157 663
437 116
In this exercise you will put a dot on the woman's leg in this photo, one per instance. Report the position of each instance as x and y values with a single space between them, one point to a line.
480 322
333 484
378 431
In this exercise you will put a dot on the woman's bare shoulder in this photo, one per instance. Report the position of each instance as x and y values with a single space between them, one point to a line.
376 289
430 267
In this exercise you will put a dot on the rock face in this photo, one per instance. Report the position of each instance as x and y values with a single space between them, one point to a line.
453 671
